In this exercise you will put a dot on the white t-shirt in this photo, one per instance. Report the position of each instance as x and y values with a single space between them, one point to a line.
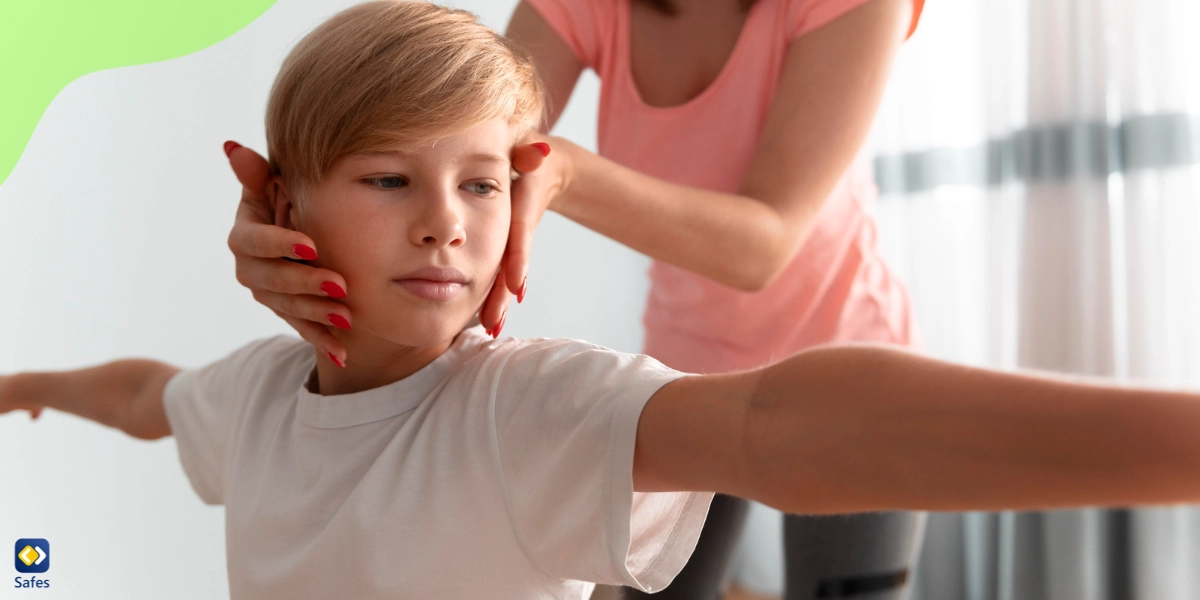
503 469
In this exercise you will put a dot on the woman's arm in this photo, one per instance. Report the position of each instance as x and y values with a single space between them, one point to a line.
832 82
125 394
555 62
865 428
558 69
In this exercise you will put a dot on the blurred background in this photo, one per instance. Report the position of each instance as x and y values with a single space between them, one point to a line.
1037 162
1040 195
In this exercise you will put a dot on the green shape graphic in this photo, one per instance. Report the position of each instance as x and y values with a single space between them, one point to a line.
46 44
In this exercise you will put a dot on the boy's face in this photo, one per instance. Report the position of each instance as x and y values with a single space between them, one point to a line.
418 234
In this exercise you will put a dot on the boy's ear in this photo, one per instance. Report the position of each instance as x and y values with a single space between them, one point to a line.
281 203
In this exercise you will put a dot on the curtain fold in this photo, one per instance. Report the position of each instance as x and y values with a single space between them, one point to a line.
1037 162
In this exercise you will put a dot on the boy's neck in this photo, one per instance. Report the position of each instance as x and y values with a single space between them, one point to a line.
371 362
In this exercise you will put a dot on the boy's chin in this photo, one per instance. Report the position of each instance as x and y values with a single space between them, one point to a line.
427 333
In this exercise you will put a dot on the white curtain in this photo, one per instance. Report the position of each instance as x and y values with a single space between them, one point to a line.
1040 194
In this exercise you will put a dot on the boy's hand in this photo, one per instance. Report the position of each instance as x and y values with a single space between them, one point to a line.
8 398
543 177
269 260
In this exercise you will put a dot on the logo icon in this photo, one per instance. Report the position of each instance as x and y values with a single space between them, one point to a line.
32 555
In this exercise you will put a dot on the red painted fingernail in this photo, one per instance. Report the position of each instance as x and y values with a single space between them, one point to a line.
542 147
336 361
304 252
333 290
521 294
500 325
339 321
230 146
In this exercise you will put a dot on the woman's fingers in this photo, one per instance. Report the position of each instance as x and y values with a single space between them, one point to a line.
495 307
254 231
251 237
528 157
527 210
516 256
317 335
285 277
529 201
34 413
511 278
252 169
254 173
310 308
300 294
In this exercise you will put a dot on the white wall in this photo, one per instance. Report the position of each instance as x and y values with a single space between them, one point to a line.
112 244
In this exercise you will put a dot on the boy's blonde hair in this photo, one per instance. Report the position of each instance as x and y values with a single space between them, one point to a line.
388 72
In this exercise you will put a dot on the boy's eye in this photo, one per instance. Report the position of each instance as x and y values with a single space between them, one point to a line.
386 182
482 188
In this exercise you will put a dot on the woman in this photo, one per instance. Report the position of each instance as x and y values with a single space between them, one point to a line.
730 152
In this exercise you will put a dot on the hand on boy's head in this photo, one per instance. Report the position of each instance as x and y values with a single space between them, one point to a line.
544 176
511 279
417 227
252 171
268 260
526 157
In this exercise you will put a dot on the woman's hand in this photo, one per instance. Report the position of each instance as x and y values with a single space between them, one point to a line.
268 261
544 175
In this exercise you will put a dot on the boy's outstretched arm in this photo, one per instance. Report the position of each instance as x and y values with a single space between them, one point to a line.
864 428
125 394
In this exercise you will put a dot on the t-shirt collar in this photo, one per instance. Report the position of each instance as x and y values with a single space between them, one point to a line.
384 402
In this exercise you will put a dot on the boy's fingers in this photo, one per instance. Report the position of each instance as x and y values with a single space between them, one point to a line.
527 157
252 170
309 308
317 335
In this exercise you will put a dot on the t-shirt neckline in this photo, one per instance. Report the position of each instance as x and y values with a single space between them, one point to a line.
384 402
625 62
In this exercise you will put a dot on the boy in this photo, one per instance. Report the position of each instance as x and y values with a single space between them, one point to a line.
445 463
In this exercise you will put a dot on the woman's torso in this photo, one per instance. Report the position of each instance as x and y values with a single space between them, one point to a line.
836 287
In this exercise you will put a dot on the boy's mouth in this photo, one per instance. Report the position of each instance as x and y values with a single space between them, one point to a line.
433 283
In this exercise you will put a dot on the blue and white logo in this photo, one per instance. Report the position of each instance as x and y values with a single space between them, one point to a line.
32 555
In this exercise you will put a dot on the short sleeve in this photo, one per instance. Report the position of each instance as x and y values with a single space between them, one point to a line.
201 405
583 24
804 16
566 416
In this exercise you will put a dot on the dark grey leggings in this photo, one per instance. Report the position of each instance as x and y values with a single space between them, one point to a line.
868 556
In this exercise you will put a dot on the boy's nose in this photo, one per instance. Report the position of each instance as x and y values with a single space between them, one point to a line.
439 224
455 239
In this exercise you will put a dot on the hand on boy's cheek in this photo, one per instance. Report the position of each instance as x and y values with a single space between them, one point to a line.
492 312
529 199
526 158
277 211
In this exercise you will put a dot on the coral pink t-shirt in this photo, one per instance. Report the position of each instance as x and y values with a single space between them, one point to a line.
836 288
